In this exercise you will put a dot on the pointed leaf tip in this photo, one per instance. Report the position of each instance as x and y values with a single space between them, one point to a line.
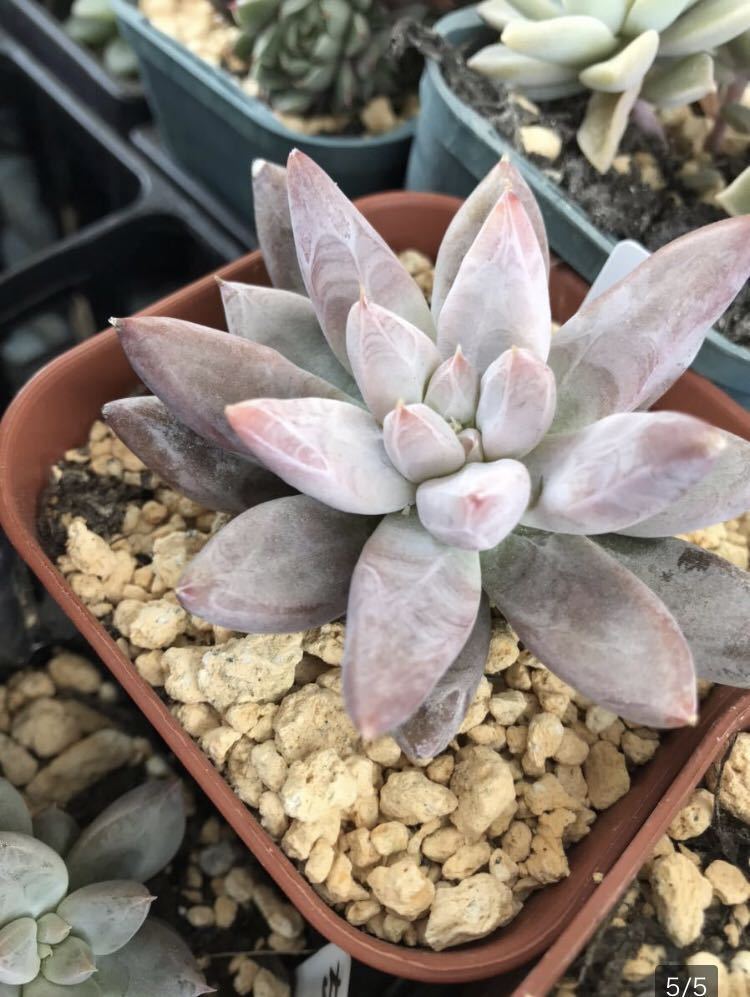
420 443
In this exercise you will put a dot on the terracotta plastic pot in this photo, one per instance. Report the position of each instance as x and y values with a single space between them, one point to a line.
54 413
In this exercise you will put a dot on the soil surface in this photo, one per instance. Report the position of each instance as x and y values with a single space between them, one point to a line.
621 205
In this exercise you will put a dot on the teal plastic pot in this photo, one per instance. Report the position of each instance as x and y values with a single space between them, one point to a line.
214 130
454 147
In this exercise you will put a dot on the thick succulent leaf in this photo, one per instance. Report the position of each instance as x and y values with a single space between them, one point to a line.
33 878
625 70
497 13
516 404
44 988
420 444
722 494
339 252
412 605
471 441
19 960
538 79
594 624
57 829
134 838
708 597
623 350
186 461
656 15
604 124
477 507
609 12
329 450
705 26
273 225
619 471
676 83
453 390
156 961
467 223
735 199
286 322
51 929
14 814
106 915
429 731
391 358
499 298
279 568
10 990
198 371
71 962
574 40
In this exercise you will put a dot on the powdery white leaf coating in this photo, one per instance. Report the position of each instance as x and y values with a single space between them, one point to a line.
106 915
573 40
453 390
197 372
595 625
705 27
722 494
653 14
186 461
412 605
678 82
391 359
477 507
339 252
471 441
286 322
497 13
626 69
420 444
327 449
156 961
33 878
604 124
516 404
282 567
273 225
14 814
708 597
133 838
71 962
57 829
499 298
619 470
471 216
623 350
609 12
89 988
537 79
429 731
19 959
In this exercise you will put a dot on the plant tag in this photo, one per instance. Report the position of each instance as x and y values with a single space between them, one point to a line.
325 974
623 259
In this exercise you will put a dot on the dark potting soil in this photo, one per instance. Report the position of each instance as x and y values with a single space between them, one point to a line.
621 205
598 970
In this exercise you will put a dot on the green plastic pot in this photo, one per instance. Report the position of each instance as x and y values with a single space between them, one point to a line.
454 147
214 130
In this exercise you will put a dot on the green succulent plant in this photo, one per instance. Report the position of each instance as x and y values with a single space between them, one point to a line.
631 55
73 910
319 56
92 23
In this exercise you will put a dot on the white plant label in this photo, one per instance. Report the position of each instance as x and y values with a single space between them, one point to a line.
623 260
325 974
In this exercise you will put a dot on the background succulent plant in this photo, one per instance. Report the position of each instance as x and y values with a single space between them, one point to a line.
444 452
319 56
73 910
631 54
93 23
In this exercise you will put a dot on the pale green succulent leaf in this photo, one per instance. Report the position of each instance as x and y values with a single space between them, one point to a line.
538 10
535 77
51 929
604 124
609 12
574 40
498 13
45 988
134 838
680 82
33 878
253 15
19 959
107 915
626 70
735 199
739 49
708 24
10 990
654 15
14 814
738 116
71 962
57 829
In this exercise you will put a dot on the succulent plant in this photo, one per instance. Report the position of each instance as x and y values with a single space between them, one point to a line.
92 23
446 452
73 910
318 56
632 55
